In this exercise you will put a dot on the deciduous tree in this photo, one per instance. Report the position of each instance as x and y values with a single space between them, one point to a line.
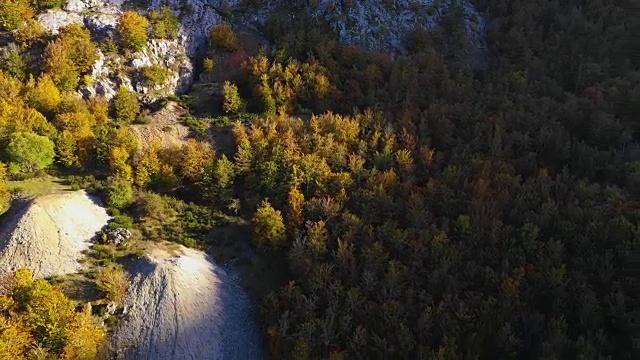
133 29
268 226
29 153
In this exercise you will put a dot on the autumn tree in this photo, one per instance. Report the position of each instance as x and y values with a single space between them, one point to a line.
223 37
113 281
268 226
37 315
197 160
295 207
69 55
222 180
14 13
5 195
126 105
31 32
43 95
29 153
133 29
232 102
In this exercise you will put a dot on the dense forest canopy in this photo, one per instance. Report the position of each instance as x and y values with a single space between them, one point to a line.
433 204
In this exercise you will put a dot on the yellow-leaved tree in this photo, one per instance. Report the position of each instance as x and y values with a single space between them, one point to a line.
36 318
5 195
133 30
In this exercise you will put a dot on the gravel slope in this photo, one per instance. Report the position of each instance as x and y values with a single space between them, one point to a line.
182 306
49 234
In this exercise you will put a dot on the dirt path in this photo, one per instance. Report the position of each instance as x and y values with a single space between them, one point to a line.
182 306
49 233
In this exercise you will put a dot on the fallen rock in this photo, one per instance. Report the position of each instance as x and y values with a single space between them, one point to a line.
118 236
48 235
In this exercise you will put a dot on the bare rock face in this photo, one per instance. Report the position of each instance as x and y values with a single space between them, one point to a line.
49 234
180 305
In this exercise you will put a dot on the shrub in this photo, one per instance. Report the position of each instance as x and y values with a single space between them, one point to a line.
164 23
113 282
199 126
29 153
31 32
103 253
133 30
120 221
232 102
126 105
48 4
119 193
207 65
223 37
155 75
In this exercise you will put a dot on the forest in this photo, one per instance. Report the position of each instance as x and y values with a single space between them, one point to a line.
429 205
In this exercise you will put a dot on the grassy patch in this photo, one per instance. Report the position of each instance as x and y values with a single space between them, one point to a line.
38 186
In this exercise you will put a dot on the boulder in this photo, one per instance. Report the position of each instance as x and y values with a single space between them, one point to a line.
118 236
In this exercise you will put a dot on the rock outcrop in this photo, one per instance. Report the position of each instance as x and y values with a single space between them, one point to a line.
373 24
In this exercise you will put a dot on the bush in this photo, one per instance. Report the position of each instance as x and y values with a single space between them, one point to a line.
207 65
133 30
164 23
155 75
48 4
113 282
199 126
29 153
223 37
119 193
120 221
126 105
104 254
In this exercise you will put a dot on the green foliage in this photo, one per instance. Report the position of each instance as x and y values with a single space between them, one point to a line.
103 254
14 64
126 105
164 24
163 218
268 226
48 4
223 37
29 153
232 102
199 126
155 75
119 193
133 29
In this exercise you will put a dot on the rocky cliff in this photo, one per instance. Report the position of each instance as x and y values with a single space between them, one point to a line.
373 24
